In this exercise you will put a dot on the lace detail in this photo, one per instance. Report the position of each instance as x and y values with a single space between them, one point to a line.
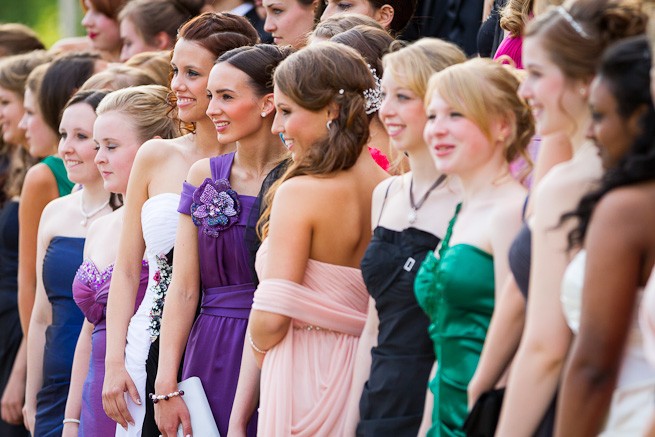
162 279
89 274
215 207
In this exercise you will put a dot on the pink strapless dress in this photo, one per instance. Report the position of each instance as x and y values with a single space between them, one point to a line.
306 378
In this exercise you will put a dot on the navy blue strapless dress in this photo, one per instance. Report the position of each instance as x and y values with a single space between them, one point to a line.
61 261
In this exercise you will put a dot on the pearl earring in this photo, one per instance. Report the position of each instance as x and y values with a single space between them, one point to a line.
263 114
328 125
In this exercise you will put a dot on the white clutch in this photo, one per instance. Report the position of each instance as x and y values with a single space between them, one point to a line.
202 419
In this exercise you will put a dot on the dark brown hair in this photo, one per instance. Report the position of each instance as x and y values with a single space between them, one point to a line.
64 76
258 62
403 11
219 32
372 43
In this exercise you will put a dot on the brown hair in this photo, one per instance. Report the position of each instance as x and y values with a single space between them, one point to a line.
14 70
603 21
372 43
18 163
151 17
17 38
308 78
482 89
116 77
339 23
110 8
219 32
155 64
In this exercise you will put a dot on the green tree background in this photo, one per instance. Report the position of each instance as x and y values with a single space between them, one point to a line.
41 15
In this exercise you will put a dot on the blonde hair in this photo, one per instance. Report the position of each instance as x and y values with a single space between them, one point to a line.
515 15
146 107
116 77
14 70
155 64
483 90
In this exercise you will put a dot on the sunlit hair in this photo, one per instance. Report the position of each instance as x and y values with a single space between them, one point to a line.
371 42
484 91
110 8
116 77
14 70
515 15
17 38
147 109
339 23
155 64
604 21
308 78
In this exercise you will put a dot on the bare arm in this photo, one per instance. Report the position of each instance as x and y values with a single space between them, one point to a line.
362 371
546 339
122 297
13 397
502 341
179 311
616 250
289 239
39 188
40 320
78 375
247 394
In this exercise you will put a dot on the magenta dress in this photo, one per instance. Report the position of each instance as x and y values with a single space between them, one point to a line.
90 292
213 351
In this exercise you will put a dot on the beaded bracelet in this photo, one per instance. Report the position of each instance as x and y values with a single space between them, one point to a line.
252 345
69 420
156 398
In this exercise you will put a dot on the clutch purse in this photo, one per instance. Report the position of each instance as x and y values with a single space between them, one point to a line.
202 419
483 418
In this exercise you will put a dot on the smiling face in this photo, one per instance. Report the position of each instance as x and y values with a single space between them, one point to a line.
42 140
234 108
556 101
289 21
458 145
11 111
76 146
133 42
191 64
334 7
300 127
403 114
611 132
102 30
117 143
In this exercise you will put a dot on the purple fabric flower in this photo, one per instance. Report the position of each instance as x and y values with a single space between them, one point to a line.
215 207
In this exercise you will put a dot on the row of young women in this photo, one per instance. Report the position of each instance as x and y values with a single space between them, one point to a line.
318 377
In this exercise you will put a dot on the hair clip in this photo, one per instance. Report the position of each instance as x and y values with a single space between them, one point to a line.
574 24
373 96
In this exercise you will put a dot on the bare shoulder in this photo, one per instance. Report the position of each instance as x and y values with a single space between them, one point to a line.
38 177
157 150
626 209
199 171
389 185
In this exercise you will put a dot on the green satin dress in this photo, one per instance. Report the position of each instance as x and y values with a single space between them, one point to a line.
457 293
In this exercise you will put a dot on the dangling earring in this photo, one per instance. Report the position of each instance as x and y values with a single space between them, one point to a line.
328 125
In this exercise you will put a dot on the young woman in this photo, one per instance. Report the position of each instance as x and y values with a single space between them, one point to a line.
310 307
290 21
562 49
151 25
477 125
101 23
126 119
393 15
608 385
410 214
151 218
47 90
242 110
56 321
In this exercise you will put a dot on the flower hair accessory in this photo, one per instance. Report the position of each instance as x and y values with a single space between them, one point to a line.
215 207
373 96
574 24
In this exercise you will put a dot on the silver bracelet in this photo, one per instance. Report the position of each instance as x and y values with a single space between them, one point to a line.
69 420
252 345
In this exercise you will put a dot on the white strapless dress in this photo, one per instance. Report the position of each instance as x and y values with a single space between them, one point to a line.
634 395
159 218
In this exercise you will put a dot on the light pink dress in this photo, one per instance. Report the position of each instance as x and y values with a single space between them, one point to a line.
306 378
647 319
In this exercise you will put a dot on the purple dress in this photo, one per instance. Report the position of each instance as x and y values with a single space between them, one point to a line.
90 291
213 351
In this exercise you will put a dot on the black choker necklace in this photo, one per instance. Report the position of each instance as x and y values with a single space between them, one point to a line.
416 206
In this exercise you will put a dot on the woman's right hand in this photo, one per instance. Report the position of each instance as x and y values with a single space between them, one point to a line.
117 382
169 414
29 417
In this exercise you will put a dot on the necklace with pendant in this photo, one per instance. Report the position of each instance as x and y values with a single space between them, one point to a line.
413 213
87 215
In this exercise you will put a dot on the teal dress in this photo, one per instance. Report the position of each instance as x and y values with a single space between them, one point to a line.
457 293
58 169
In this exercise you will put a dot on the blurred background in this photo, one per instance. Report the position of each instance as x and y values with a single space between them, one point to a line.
51 19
